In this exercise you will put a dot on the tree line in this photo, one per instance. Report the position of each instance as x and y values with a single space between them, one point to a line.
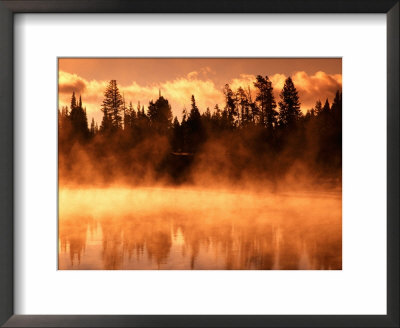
273 133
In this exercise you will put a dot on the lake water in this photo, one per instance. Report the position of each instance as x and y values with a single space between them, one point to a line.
189 228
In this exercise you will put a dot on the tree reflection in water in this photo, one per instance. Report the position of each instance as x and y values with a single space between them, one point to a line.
232 231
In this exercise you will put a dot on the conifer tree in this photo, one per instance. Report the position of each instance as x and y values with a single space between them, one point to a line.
337 102
318 107
78 119
230 106
106 122
177 136
337 107
112 107
243 106
265 98
289 106
217 112
207 114
194 126
326 107
92 127
73 101
160 115
194 114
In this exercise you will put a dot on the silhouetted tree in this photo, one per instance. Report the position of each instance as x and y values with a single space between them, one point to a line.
310 114
243 106
318 107
326 107
73 100
194 127
337 107
112 107
63 118
78 119
230 106
160 115
289 106
134 142
177 136
128 117
92 128
266 102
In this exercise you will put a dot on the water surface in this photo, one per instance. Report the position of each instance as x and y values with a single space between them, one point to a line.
184 228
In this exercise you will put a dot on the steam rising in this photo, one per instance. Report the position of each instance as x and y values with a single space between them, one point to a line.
195 228
244 186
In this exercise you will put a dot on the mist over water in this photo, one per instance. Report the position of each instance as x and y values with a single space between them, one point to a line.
198 228
253 184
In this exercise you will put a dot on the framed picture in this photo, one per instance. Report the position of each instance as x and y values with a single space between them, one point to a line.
199 164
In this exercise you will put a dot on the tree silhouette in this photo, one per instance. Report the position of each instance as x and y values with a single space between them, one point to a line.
194 127
289 106
318 107
265 98
106 123
160 115
243 106
237 137
337 107
177 136
112 107
230 105
78 119
326 107
92 128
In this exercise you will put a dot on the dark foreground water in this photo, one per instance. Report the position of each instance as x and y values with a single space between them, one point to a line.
161 228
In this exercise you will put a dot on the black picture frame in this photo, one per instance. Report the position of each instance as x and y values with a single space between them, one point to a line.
7 10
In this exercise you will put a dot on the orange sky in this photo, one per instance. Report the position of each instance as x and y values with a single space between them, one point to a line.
141 79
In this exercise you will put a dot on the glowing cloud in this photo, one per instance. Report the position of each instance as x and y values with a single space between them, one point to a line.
207 93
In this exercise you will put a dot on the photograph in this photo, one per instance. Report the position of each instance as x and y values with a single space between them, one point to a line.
199 163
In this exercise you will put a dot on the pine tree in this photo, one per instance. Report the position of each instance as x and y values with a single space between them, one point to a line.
130 117
177 136
230 105
78 119
112 107
160 115
289 106
194 127
106 122
63 118
85 125
318 107
92 128
326 107
194 114
310 113
217 113
126 117
337 102
73 101
265 98
243 106
207 114
184 115
337 107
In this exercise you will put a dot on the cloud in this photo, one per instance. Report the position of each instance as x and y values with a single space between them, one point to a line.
67 83
192 75
311 88
179 91
316 87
